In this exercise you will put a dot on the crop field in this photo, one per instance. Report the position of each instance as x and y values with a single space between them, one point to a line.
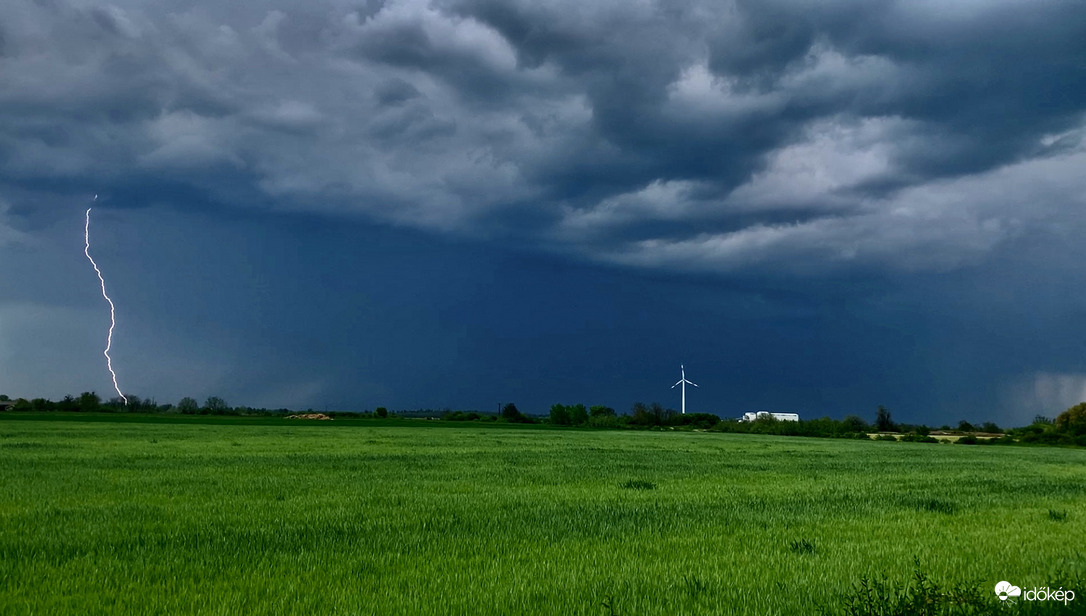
412 517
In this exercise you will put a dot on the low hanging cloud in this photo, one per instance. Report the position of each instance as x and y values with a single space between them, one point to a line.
714 138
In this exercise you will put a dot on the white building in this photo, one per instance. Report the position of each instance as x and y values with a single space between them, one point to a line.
778 416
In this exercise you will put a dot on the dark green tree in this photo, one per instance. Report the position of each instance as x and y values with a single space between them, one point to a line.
382 412
89 402
188 405
511 413
215 404
883 421
641 415
853 423
560 415
1073 420
601 411
578 414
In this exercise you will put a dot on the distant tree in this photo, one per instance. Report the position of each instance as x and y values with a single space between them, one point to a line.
578 414
601 411
641 415
215 404
990 428
1073 420
560 415
382 412
4 398
511 413
68 404
188 405
89 402
853 423
1041 420
883 421
965 426
659 413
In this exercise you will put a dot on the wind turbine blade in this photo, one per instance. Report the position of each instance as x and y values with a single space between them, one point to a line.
693 383
676 384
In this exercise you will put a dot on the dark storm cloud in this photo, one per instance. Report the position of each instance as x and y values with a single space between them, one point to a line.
779 147
642 133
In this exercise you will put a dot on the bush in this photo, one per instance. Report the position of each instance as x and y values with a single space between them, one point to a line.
604 421
968 439
886 437
461 416
381 412
1048 438
919 438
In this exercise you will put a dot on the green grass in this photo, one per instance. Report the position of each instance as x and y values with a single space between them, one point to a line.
278 517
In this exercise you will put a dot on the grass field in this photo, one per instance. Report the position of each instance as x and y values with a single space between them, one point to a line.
280 517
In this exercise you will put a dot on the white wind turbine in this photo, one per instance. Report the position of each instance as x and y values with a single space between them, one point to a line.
683 382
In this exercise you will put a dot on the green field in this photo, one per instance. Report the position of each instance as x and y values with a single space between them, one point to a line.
282 517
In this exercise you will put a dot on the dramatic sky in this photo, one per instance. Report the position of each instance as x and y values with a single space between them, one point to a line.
818 207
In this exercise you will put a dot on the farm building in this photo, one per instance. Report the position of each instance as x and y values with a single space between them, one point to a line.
778 416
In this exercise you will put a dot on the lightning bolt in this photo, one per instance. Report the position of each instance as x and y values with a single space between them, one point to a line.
112 313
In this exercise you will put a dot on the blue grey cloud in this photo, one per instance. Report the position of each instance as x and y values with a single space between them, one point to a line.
770 145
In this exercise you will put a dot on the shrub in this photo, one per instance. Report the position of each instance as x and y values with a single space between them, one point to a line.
919 438
1047 438
604 421
382 412
968 439
461 416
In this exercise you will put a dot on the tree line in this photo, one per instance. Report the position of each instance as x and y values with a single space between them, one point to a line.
1068 428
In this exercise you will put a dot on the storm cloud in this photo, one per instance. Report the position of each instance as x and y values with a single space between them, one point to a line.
766 144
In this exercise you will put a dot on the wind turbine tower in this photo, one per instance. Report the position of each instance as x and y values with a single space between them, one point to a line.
683 382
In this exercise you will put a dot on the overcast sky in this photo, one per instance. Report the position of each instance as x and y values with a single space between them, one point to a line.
817 207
